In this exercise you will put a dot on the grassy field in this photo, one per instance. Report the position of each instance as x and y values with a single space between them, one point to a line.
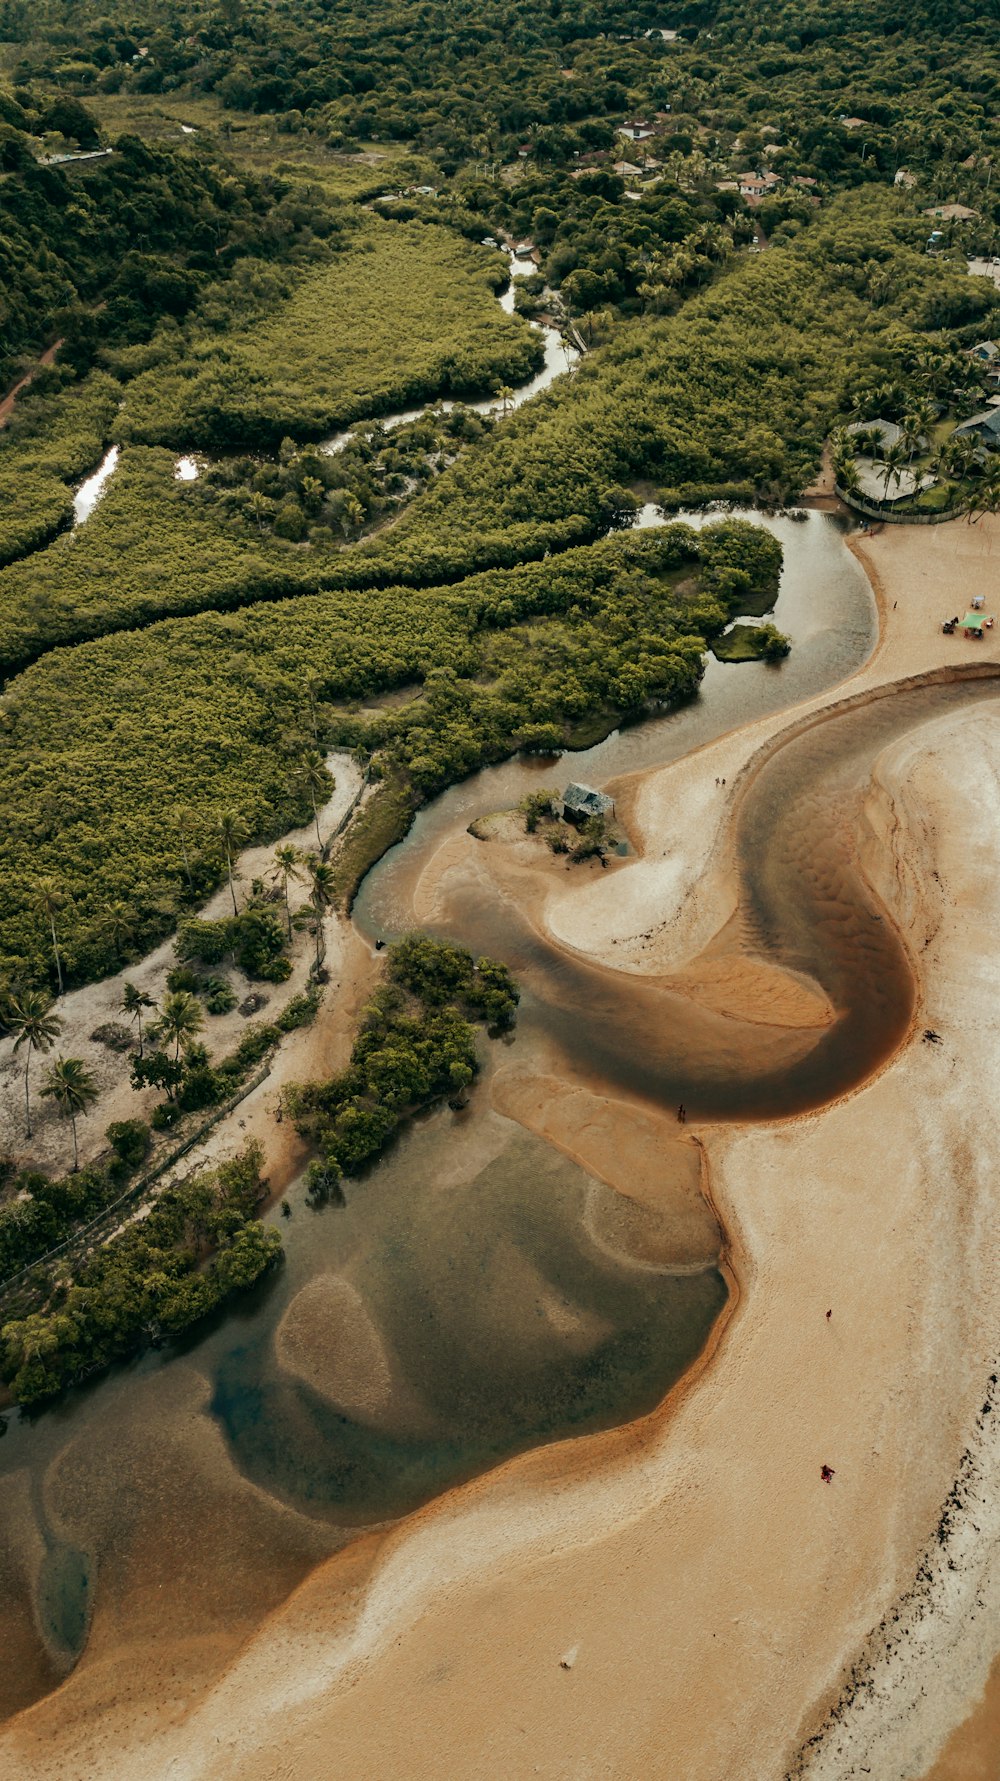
148 549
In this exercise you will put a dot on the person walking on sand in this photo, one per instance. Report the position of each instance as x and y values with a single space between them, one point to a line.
826 1473
828 1316
682 1113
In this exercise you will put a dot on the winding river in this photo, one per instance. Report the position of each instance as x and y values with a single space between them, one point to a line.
481 1292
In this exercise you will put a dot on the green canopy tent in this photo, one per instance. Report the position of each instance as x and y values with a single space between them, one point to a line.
973 621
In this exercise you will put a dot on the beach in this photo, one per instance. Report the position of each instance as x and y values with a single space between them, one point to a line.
686 1596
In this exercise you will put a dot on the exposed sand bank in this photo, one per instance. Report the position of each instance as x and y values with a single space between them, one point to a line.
716 1591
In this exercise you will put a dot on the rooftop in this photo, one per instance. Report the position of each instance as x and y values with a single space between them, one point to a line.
583 800
986 423
888 432
956 213
872 482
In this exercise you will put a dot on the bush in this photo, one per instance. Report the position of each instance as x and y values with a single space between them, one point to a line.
129 1139
219 996
183 978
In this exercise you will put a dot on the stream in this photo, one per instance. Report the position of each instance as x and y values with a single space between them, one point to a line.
560 356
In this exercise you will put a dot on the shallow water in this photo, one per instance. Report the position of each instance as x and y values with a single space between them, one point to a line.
480 1293
90 492
824 605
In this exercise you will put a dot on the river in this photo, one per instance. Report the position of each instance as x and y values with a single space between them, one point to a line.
479 1293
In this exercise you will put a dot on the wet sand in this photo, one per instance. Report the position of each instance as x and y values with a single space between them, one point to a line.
716 1593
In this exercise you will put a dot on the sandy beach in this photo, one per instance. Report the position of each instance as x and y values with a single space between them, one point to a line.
684 1597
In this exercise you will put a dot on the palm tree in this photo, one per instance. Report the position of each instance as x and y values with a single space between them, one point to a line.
133 1002
181 1017
846 472
183 821
72 1087
314 777
893 465
312 493
321 895
233 832
260 507
984 497
118 927
286 866
911 433
50 899
30 1017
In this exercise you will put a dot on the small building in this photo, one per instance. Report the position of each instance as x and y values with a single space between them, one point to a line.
988 351
627 170
757 185
876 485
856 123
887 432
582 801
86 154
904 178
636 129
524 151
984 426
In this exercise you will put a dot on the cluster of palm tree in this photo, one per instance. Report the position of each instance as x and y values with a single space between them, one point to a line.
292 866
956 460
67 1081
36 1026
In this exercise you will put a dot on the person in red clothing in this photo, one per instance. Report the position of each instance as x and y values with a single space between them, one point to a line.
826 1473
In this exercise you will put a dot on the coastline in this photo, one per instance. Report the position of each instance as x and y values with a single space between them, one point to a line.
711 1585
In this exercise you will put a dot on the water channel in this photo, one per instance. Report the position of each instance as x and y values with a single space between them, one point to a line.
560 356
480 1293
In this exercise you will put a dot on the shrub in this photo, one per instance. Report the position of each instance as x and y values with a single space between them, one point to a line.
129 1139
219 996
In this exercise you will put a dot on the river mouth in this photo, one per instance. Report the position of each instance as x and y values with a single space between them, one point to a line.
485 1290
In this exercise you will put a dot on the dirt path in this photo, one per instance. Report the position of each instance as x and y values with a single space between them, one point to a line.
7 402
86 1011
